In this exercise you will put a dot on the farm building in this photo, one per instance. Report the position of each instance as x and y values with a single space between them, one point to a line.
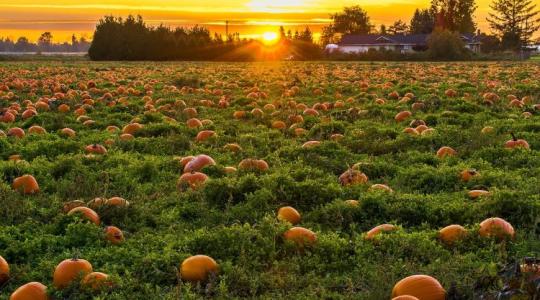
403 43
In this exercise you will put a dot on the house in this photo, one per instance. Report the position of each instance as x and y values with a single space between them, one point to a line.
404 43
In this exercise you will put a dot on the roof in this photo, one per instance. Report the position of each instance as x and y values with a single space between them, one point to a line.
399 39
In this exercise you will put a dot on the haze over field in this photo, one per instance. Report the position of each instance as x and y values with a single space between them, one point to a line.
251 18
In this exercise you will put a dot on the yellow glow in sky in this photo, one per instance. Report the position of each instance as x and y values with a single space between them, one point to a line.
248 17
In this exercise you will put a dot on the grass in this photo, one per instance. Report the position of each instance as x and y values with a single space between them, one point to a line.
233 217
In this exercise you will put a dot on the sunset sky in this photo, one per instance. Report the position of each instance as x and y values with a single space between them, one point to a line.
250 18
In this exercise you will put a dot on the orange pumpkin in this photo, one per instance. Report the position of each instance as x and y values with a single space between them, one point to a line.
194 180
452 233
405 297
69 270
467 175
96 149
497 228
36 130
420 286
68 206
198 163
96 280
446 151
311 144
4 271
26 184
30 291
117 202
253 164
194 123
205 135
198 268
516 143
352 177
229 170
279 125
353 203
114 235
478 193
300 236
86 213
16 132
289 214
379 229
402 116
68 132
381 187
97 202
132 128
233 147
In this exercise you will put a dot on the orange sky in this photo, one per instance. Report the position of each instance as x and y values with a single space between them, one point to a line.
249 17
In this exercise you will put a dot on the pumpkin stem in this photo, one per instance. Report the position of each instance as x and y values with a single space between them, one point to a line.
513 136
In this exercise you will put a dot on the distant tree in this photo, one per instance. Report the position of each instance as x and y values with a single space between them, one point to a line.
45 41
446 45
353 20
382 29
399 27
306 35
490 43
22 45
282 34
455 15
296 35
422 22
514 22
289 34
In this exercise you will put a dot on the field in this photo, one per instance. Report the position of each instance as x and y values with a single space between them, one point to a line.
268 111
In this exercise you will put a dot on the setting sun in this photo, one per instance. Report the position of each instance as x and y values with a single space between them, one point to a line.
269 37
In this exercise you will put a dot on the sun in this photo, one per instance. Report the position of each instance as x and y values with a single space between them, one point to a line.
269 37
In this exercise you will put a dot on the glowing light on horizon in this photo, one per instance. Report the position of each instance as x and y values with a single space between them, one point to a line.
269 38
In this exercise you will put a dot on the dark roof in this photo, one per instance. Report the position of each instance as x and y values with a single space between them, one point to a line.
400 39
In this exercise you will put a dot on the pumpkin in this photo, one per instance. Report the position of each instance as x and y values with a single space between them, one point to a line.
381 187
336 137
126 137
229 170
97 202
451 234
63 108
300 236
112 129
194 123
36 130
132 128
467 175
420 286
253 164
478 193
7 117
16 132
86 213
279 125
205 135
516 143
198 268
117 202
96 280
95 149
72 204
26 184
352 177
69 270
353 203
402 116
497 228
311 144
114 235
4 271
446 151
411 131
198 163
194 180
233 147
68 132
185 160
405 297
487 130
289 214
379 229
30 291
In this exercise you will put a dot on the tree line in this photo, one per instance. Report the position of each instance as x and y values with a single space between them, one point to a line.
44 44
513 22
131 39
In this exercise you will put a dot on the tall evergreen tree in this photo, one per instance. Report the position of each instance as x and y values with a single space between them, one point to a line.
514 22
457 15
399 27
422 22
